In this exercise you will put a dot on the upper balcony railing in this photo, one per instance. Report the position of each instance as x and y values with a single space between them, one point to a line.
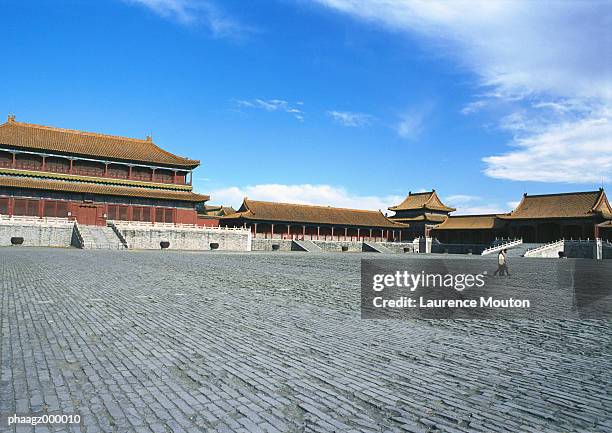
93 168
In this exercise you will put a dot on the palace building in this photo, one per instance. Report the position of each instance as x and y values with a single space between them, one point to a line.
536 219
92 178
270 220
421 211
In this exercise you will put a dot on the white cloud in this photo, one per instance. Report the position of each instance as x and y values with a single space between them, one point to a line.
274 105
474 107
325 195
473 205
410 125
348 118
512 204
517 47
459 199
196 12
480 210
546 63
577 151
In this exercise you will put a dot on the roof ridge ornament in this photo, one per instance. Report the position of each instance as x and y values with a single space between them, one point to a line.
11 118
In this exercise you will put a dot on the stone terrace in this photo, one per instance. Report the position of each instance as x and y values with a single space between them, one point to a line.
249 342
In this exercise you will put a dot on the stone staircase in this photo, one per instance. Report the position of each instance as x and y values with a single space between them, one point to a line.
99 238
551 249
376 248
498 246
308 246
518 250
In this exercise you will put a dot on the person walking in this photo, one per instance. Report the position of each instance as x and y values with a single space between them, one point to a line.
502 263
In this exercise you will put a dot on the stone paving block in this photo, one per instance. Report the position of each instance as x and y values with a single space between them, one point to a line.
274 342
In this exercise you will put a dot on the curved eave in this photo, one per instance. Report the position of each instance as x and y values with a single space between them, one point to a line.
100 189
249 216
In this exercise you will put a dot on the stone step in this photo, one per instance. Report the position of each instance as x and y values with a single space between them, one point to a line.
308 246
100 237
376 247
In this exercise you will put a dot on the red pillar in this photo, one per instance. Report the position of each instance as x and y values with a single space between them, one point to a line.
71 164
271 231
345 232
318 232
106 169
254 230
332 233
152 175
130 172
44 163
14 163
303 232
358 235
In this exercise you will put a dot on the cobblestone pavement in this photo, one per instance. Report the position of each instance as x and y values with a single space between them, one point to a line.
274 342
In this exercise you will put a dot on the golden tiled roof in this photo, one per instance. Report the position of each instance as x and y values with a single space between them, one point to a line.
99 189
433 217
468 222
564 205
71 142
422 200
308 214
217 210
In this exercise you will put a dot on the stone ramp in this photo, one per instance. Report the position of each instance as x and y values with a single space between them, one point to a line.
376 248
100 238
308 246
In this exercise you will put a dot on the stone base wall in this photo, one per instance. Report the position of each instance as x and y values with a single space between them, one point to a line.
327 246
573 250
607 251
186 239
268 245
37 235
398 247
441 248
336 246
579 250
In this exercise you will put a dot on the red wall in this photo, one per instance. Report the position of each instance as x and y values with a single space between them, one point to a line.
94 213
207 222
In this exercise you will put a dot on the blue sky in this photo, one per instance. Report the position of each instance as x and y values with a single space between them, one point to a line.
342 102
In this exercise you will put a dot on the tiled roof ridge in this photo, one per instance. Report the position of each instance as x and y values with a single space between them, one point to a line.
313 205
55 185
97 182
564 193
421 193
74 131
148 140
477 215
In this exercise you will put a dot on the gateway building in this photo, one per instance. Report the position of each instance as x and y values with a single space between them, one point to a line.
91 177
